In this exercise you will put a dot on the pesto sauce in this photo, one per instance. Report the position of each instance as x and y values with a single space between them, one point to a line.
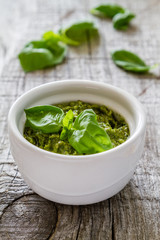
114 124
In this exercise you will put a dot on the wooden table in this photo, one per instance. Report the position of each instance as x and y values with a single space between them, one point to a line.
134 213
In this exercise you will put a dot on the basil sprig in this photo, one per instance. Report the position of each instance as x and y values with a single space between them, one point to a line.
122 20
78 33
130 61
50 34
84 134
120 16
74 34
47 119
41 54
51 49
107 10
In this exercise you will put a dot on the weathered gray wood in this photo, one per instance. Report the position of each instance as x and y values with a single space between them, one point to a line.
31 213
134 213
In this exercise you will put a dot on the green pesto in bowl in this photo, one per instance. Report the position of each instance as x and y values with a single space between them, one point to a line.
113 123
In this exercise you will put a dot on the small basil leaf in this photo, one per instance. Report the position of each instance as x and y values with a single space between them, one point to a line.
67 124
35 55
129 61
84 118
122 20
47 119
58 49
107 10
88 137
67 40
51 35
41 54
78 33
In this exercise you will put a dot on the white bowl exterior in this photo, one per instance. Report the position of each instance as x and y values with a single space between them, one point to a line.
77 179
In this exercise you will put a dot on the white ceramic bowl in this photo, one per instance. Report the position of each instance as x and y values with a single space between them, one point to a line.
77 179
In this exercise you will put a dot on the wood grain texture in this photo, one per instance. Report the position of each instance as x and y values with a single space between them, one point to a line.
134 213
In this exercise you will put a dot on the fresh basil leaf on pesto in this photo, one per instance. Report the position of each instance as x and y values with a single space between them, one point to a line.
78 33
42 54
67 124
47 119
88 137
107 10
122 20
79 126
129 61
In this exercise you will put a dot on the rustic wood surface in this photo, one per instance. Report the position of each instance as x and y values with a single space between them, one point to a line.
134 213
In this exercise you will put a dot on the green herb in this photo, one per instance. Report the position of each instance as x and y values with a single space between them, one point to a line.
67 124
84 135
121 17
50 34
78 33
41 54
122 20
87 136
113 123
47 119
130 61
107 10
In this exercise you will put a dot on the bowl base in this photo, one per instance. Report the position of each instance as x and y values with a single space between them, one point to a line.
90 198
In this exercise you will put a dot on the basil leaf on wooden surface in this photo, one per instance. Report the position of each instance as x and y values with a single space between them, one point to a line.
78 33
67 40
58 49
41 54
61 37
67 124
47 119
51 35
88 137
122 20
107 10
129 61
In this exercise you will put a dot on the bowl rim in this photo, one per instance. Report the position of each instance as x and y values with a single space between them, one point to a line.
139 127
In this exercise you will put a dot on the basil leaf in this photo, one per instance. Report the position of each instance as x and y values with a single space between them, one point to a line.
107 10
122 20
47 119
67 124
78 33
58 49
129 61
67 40
88 137
41 54
51 35
61 37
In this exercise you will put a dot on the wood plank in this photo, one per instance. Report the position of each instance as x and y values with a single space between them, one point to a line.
134 213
